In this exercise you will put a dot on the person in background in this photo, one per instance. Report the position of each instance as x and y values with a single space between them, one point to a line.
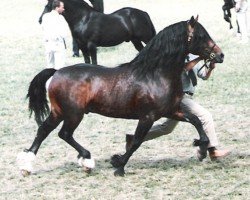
189 82
55 30
97 5
241 8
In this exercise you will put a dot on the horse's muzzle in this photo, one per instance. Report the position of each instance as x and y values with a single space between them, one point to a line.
219 58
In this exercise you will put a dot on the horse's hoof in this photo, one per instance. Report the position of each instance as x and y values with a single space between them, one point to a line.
116 161
200 156
119 172
87 169
25 173
196 143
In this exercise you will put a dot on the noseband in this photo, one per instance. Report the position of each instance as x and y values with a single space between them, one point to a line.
208 60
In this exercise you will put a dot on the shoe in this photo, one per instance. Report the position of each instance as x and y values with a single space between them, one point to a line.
218 154
75 55
214 155
129 140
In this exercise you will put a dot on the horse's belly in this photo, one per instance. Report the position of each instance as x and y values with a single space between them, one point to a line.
112 110
107 42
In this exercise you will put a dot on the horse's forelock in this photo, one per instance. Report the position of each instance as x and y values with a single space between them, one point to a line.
200 36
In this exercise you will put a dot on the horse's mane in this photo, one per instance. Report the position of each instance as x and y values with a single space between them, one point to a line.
166 50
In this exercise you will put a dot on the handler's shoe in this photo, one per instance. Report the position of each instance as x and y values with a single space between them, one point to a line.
218 154
215 154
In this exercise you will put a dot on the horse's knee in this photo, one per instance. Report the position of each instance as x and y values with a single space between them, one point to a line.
64 135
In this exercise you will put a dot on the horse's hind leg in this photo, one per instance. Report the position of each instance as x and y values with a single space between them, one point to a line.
66 133
119 161
137 43
238 27
25 158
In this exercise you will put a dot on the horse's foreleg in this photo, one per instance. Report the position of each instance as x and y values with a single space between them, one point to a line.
25 159
66 133
119 161
85 54
194 120
93 52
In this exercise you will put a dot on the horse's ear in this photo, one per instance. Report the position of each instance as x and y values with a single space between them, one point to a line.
197 17
193 21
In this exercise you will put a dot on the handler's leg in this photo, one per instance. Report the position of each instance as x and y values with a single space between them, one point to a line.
155 132
59 59
189 105
161 129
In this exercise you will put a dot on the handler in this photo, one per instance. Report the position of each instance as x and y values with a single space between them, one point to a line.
189 82
55 30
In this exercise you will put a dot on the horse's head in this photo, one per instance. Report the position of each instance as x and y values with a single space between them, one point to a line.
200 43
47 8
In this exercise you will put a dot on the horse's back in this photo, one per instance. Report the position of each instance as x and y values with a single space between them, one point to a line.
141 24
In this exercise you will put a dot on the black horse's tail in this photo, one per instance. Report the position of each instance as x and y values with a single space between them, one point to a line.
37 95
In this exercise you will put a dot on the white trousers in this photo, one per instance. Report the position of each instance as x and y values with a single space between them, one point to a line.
55 59
242 20
190 106
55 56
241 15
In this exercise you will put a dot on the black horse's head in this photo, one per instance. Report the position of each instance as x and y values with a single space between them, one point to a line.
228 4
47 8
200 43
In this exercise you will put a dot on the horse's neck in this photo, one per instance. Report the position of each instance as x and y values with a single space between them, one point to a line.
73 12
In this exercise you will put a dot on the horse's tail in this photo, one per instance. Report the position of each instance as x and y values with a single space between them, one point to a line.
37 95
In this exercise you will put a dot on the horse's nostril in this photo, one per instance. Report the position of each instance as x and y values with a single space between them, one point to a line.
222 55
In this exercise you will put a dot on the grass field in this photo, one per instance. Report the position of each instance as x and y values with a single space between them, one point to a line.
165 168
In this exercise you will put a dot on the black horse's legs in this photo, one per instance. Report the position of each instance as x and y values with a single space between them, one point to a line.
85 54
238 27
229 16
119 161
93 52
194 120
138 45
66 133
25 159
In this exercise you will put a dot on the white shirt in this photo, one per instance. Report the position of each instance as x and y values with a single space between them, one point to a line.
241 6
54 26
186 81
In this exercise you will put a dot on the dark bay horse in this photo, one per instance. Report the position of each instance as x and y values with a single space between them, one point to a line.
91 28
228 5
147 88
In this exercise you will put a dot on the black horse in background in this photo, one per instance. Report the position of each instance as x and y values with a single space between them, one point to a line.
228 5
144 89
91 28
